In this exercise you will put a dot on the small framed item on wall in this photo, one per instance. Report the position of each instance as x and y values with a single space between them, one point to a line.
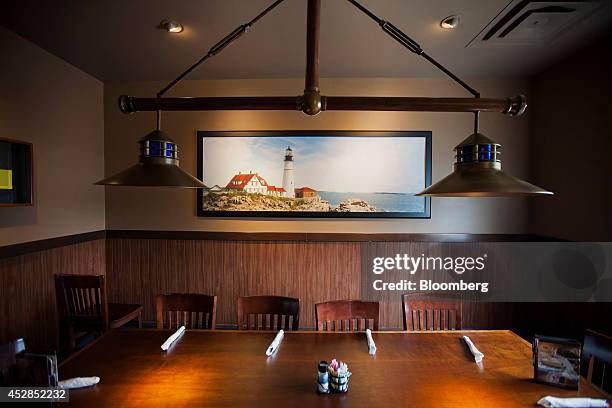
15 173
323 174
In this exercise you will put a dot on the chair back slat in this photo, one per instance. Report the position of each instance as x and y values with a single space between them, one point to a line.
347 315
194 311
268 313
427 312
97 299
596 360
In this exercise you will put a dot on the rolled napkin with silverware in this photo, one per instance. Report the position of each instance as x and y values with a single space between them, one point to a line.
78 382
478 356
275 343
577 402
173 338
371 344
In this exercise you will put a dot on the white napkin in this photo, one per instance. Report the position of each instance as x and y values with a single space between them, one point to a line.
371 344
173 338
275 343
555 402
78 382
478 356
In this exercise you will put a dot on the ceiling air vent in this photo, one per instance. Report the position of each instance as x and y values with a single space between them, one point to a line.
535 23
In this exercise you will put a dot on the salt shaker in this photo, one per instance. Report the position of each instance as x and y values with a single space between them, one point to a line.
323 378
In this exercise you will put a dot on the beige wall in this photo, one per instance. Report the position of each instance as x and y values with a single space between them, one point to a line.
58 108
142 208
571 146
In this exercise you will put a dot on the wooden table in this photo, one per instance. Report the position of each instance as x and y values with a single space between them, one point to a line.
228 368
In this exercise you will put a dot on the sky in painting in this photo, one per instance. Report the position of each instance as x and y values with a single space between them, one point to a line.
339 164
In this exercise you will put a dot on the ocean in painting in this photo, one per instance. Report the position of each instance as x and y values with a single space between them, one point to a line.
387 202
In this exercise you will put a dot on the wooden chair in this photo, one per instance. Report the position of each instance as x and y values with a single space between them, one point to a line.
268 313
596 364
347 315
83 308
427 312
193 311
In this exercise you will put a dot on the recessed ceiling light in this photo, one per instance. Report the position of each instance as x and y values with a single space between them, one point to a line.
450 22
171 26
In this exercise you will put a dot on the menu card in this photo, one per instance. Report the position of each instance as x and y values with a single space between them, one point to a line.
556 361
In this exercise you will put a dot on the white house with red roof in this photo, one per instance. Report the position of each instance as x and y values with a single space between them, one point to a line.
253 183
277 191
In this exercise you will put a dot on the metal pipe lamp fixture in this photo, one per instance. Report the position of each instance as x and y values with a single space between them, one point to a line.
477 172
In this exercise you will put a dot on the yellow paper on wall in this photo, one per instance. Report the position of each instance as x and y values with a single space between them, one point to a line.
6 179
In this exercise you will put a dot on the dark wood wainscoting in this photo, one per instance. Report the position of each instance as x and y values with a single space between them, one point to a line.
314 269
27 294
139 269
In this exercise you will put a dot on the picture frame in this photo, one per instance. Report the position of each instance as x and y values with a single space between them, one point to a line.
307 180
16 173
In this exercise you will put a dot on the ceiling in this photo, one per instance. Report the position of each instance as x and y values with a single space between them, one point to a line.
119 39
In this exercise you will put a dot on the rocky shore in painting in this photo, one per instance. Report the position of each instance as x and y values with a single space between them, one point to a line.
258 202
354 205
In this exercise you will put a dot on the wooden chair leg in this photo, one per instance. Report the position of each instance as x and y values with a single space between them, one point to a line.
140 320
67 339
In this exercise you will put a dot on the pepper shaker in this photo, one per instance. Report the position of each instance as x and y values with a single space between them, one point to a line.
323 378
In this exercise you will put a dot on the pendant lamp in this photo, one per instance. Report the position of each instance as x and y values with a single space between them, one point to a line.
477 173
158 166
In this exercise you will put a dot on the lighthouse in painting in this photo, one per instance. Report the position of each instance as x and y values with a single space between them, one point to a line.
288 184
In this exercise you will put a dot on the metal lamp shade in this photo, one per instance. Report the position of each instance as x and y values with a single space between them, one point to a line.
153 175
472 181
158 166
477 173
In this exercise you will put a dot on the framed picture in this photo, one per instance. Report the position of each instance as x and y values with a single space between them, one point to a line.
15 173
556 361
336 174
